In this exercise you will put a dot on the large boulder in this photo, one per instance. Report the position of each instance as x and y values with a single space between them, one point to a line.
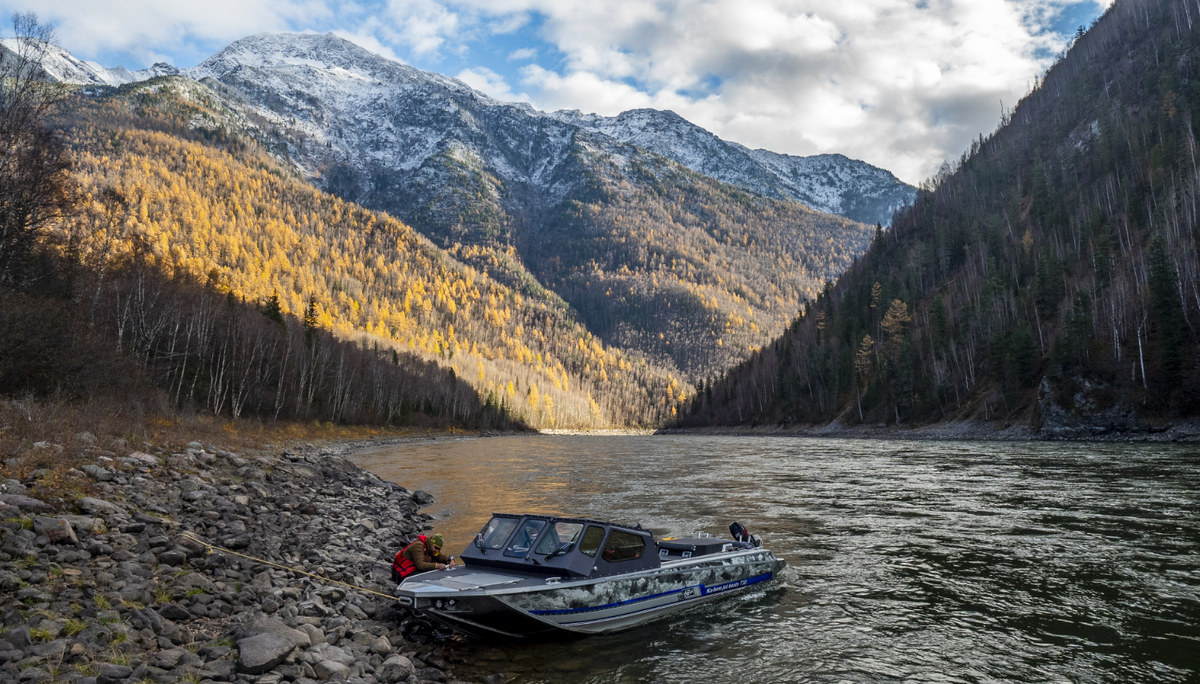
26 503
193 545
173 558
175 613
19 638
262 652
262 624
10 654
86 523
306 472
315 635
144 458
381 646
34 675
239 541
113 674
396 669
331 670
168 659
329 652
56 530
93 505
195 580
51 650
98 473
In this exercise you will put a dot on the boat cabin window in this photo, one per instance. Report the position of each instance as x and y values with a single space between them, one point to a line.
496 532
525 538
556 535
623 546
591 541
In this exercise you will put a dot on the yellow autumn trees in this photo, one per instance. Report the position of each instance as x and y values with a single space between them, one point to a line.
232 216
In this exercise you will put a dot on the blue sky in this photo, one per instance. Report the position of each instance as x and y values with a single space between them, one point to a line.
902 84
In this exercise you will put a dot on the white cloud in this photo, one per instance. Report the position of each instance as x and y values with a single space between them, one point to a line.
509 23
365 38
146 28
902 84
422 25
491 83
899 84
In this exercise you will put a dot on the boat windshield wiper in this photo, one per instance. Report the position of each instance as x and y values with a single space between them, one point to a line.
562 548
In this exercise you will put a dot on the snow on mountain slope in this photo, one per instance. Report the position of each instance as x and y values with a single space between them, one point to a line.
830 183
62 66
369 128
363 125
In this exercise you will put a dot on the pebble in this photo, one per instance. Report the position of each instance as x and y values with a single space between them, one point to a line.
122 587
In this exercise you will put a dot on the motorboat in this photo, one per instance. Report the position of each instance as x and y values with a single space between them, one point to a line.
528 575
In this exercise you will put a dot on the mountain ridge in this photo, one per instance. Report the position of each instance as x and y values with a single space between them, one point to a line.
830 183
500 181
60 65
654 257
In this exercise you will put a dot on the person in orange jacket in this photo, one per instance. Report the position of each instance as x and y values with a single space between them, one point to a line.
422 555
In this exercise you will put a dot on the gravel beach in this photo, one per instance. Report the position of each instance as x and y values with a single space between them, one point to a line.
114 588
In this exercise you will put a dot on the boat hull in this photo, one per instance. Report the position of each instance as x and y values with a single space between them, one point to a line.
510 605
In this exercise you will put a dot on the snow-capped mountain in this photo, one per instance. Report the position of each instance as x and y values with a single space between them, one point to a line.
379 131
349 117
637 222
60 65
374 117
831 183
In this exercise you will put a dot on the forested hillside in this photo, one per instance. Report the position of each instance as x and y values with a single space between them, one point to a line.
507 188
694 272
1049 276
178 206
656 259
665 262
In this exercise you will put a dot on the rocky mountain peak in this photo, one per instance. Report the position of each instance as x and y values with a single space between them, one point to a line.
333 103
330 55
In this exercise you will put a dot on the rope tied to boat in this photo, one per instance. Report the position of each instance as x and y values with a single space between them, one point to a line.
210 548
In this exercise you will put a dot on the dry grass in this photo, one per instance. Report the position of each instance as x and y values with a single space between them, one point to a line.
122 428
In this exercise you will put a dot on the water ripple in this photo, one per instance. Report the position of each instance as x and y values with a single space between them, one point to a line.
930 562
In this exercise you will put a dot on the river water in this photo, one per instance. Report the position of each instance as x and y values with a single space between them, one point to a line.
907 561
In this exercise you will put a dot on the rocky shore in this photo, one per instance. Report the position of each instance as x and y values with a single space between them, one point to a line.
114 588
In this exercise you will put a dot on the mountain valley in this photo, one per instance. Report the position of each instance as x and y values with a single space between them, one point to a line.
685 251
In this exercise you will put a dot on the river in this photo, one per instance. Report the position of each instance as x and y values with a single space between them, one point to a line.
907 561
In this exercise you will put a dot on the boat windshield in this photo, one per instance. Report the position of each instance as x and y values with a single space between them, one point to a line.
591 541
558 534
496 532
525 538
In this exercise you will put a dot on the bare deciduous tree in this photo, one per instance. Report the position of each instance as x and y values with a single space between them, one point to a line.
36 188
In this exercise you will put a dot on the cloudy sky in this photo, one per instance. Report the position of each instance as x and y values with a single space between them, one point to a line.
902 84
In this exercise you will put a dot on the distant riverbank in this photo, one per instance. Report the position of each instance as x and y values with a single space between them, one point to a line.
1187 431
